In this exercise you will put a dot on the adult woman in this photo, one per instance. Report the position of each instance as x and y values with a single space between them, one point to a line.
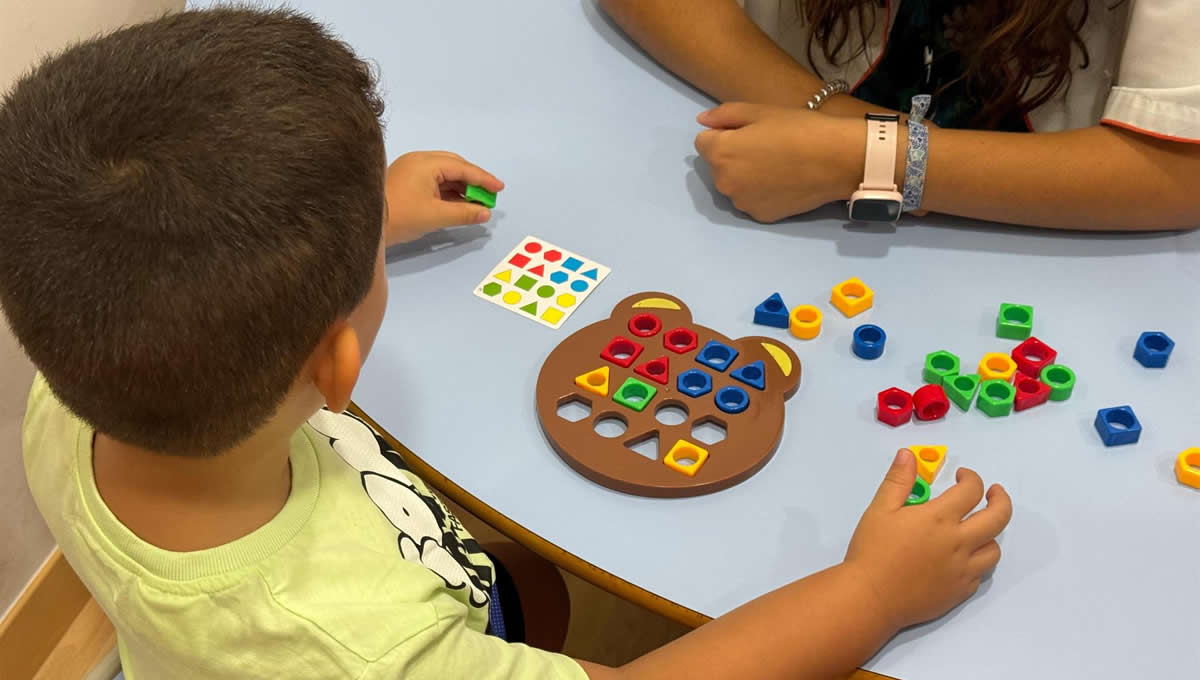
1104 153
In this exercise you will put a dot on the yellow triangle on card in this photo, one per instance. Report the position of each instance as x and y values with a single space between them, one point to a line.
505 276
930 460
595 381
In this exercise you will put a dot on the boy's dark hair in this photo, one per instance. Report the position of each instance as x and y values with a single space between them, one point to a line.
186 206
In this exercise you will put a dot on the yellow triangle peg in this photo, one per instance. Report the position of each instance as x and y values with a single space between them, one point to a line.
595 381
930 460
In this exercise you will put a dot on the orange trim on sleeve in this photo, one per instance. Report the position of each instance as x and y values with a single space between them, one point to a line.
887 31
1148 133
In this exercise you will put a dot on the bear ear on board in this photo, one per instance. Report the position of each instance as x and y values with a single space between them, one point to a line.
783 366
654 303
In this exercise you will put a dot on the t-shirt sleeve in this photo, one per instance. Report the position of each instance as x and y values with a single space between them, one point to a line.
1158 87
452 650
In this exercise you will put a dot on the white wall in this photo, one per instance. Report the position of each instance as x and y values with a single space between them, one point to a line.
28 30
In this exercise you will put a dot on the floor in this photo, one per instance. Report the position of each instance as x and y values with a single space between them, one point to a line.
603 628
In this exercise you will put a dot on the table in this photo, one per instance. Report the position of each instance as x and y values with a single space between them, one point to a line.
594 141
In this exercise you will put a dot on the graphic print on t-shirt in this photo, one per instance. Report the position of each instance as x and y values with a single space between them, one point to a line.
429 534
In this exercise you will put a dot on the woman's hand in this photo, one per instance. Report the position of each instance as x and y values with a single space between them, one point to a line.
774 162
424 192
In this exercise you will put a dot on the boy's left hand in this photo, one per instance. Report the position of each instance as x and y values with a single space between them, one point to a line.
424 193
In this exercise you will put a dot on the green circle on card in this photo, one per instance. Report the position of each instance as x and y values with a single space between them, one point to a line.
545 291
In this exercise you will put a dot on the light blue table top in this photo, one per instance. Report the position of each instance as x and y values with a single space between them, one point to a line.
594 141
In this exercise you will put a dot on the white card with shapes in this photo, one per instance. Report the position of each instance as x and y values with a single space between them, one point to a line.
542 282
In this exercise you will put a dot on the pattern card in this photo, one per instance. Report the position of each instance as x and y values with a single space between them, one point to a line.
541 281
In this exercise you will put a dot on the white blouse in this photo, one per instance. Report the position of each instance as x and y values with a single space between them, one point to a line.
1152 47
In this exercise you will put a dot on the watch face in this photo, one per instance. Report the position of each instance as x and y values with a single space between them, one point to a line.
875 210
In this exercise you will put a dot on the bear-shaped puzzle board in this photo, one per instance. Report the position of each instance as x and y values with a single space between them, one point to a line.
649 373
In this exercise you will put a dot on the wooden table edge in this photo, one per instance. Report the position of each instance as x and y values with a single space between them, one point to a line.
547 550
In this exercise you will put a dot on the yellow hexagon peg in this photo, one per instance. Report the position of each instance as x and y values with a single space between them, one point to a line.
930 460
595 381
852 297
996 366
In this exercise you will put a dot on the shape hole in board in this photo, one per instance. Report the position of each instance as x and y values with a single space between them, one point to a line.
574 410
646 446
656 369
685 462
671 413
596 379
751 373
1156 342
709 431
609 427
1034 356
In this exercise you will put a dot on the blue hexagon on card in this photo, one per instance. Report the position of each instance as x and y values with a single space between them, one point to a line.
1118 426
1153 349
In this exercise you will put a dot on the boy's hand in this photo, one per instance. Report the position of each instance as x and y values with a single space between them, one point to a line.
923 560
424 193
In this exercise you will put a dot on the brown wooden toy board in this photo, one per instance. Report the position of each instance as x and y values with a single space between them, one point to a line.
647 331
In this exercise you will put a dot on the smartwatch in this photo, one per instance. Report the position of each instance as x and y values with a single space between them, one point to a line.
877 198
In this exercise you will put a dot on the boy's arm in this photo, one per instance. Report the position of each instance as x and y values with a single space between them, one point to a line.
904 565
821 626
424 192
713 45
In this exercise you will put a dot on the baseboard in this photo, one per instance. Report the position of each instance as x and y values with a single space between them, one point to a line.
37 621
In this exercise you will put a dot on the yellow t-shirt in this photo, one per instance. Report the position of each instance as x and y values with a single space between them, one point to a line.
363 574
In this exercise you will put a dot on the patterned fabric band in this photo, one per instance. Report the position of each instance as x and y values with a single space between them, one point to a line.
831 88
918 153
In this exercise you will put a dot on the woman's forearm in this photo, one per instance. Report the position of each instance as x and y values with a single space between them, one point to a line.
1097 178
713 45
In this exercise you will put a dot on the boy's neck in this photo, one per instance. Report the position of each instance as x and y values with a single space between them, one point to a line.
186 503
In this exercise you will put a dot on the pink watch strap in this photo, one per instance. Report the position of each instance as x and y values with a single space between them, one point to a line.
882 133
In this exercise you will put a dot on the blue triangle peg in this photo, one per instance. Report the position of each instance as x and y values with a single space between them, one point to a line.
772 312
754 375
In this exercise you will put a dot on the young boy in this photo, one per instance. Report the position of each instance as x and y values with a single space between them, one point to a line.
193 215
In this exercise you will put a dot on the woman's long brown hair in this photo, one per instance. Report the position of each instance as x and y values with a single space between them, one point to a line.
1004 45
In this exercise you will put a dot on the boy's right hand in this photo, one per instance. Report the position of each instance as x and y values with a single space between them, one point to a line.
923 560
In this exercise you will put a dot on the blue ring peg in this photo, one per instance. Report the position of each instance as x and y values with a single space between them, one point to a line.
1153 349
717 355
1118 426
694 383
732 399
868 341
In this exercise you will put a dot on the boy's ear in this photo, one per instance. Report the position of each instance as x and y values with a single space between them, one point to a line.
338 360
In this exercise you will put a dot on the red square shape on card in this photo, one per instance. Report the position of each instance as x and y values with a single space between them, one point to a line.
519 260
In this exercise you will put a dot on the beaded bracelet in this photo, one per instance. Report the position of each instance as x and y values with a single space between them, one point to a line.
831 88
